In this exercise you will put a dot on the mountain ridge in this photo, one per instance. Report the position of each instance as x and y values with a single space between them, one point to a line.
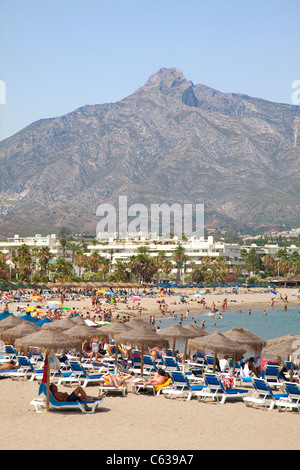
169 141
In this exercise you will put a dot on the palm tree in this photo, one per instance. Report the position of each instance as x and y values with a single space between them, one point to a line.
23 261
269 265
94 262
120 271
159 260
179 258
167 267
105 267
142 265
295 262
4 268
192 265
62 269
81 260
111 252
44 255
73 247
62 243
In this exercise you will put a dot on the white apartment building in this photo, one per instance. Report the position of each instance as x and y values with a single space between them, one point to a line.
38 241
195 249
271 249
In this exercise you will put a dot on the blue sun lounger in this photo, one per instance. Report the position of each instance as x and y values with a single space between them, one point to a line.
292 400
181 386
82 405
215 389
263 395
82 375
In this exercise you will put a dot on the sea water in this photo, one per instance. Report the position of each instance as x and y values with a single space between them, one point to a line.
276 323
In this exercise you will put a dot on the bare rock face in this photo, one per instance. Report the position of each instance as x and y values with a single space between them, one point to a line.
170 141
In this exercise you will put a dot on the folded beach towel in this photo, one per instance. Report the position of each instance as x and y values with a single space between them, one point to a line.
167 382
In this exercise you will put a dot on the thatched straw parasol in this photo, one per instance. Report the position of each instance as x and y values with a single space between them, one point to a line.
48 340
83 332
196 329
141 336
279 339
285 347
59 325
138 322
18 331
175 332
78 320
112 330
288 347
241 335
10 322
218 343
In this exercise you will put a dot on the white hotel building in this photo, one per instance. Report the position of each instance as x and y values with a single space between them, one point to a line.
38 241
195 248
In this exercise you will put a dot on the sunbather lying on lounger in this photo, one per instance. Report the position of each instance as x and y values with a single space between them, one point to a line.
159 378
77 395
9 365
115 380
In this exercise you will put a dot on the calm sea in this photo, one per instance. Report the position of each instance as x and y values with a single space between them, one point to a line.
276 323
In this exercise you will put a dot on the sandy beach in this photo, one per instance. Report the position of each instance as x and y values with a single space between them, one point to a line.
142 422
150 305
147 422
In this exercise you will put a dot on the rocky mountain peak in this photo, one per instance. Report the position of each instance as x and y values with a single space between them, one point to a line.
166 78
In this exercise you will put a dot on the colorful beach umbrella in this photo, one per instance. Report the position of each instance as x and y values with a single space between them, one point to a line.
51 306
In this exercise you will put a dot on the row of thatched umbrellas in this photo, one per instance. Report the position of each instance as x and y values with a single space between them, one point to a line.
95 285
236 340
70 333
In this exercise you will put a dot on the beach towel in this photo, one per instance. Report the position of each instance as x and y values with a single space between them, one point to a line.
165 384
228 382
107 381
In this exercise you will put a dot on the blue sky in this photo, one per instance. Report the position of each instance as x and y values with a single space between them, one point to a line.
59 55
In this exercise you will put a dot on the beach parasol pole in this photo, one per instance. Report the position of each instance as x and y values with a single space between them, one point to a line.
48 381
215 362
292 369
46 378
233 363
142 360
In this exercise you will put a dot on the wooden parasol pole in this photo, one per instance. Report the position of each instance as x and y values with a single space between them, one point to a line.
48 379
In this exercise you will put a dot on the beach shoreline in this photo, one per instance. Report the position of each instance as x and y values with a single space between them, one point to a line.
150 305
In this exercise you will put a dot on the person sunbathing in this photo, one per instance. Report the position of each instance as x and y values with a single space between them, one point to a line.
115 380
77 395
159 378
9 365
